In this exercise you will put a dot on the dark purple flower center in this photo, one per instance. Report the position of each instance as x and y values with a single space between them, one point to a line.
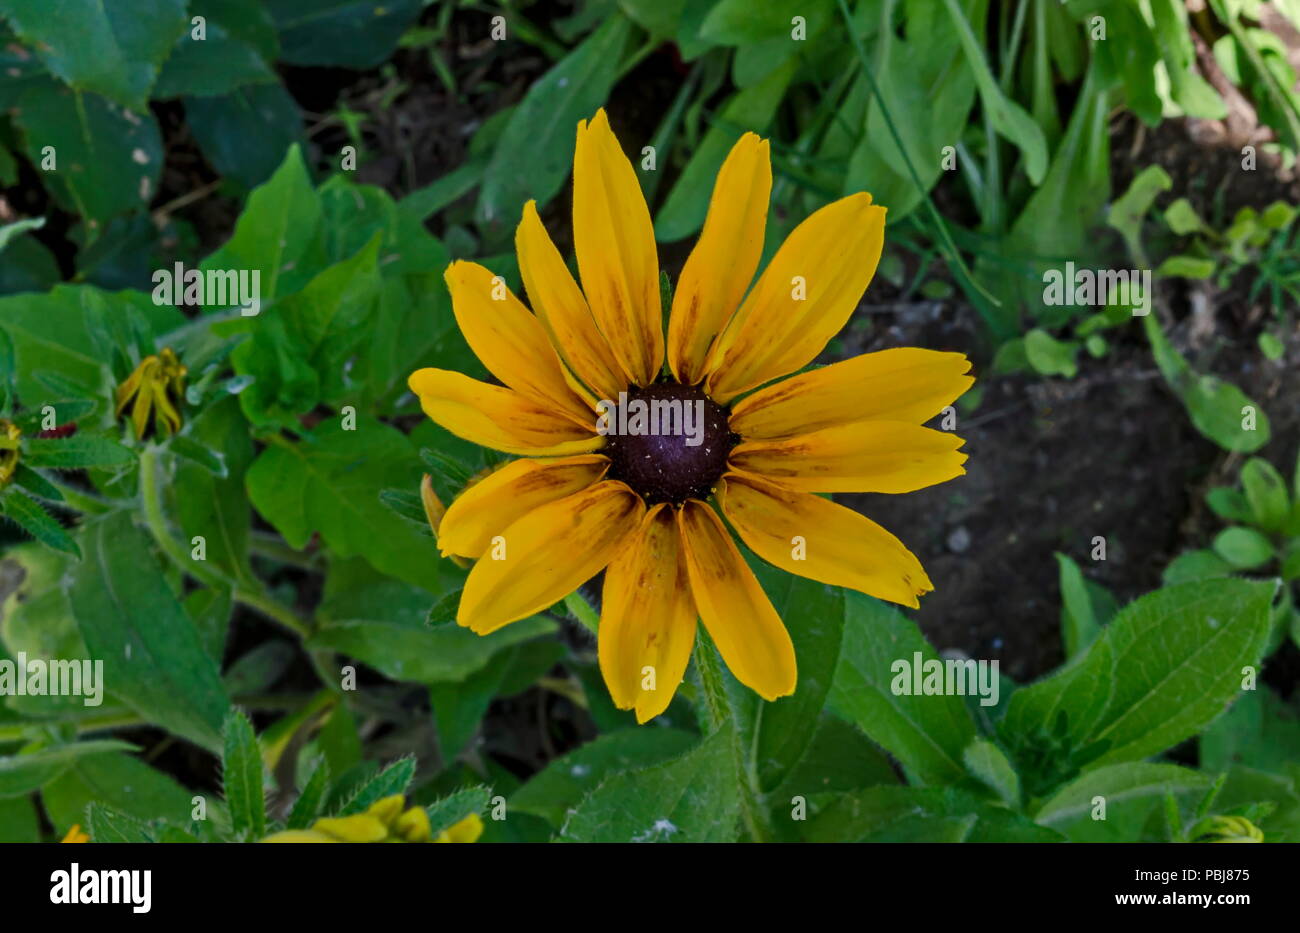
668 441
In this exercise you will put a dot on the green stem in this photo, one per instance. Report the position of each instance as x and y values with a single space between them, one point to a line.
151 498
273 610
716 709
121 719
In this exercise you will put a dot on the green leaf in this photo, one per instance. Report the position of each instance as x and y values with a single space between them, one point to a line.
104 824
245 133
535 151
383 626
394 779
1129 210
23 773
1266 493
75 453
1195 565
274 232
119 781
1229 504
692 798
1243 548
218 64
31 517
1186 267
1218 409
1079 624
330 482
1183 219
1049 356
106 161
989 765
739 22
459 706
241 777
565 781
450 810
18 820
247 20
153 657
839 758
55 351
1117 784
918 814
109 48
1271 346
348 33
1178 659
308 805
928 734
814 616
1048 725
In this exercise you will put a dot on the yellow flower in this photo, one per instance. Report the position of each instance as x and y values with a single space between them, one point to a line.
385 821
585 498
1227 829
156 388
9 451
75 835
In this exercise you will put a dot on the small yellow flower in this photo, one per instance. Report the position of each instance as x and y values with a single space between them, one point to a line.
648 508
1227 829
9 450
156 388
75 835
385 821
467 830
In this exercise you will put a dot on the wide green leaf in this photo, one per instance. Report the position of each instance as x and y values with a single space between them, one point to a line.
113 49
564 782
1179 655
106 161
928 734
241 777
330 483
692 798
920 814
154 660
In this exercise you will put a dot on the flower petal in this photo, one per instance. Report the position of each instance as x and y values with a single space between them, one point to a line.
829 259
547 554
647 618
502 419
509 340
487 508
863 456
724 260
733 607
615 242
562 308
834 544
900 384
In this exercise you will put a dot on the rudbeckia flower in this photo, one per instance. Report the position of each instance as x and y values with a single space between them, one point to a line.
653 510
154 390
387 820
